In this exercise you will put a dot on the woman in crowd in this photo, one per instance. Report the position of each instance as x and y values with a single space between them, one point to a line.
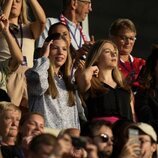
24 33
9 123
100 81
49 85
31 125
147 97
8 66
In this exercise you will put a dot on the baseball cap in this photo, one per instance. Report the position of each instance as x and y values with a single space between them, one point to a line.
147 129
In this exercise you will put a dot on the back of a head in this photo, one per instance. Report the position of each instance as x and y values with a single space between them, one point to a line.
52 27
66 3
4 96
55 36
40 140
121 24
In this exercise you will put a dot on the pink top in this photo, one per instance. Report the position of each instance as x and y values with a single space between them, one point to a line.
111 119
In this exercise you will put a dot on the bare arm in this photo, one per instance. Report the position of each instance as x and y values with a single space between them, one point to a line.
7 7
132 103
38 26
13 46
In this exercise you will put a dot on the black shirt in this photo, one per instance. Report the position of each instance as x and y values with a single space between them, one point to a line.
114 102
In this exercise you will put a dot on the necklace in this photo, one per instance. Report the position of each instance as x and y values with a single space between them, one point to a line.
59 75
14 29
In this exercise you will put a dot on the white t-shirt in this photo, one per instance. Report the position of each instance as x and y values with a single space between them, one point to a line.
75 33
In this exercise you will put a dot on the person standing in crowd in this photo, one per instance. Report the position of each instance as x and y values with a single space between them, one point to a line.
123 33
143 145
8 66
31 125
102 136
101 83
49 85
9 123
146 100
74 12
24 33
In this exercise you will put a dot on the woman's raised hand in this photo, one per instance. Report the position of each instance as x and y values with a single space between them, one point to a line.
4 23
46 48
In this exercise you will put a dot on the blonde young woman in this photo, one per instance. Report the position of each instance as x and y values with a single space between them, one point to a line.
24 33
107 98
49 85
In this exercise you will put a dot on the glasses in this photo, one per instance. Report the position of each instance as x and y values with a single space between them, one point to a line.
105 138
126 38
142 141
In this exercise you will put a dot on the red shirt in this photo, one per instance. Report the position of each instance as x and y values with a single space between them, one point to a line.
130 69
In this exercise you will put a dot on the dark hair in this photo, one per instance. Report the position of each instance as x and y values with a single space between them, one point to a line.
120 134
52 27
53 36
42 139
96 125
121 24
4 96
27 115
66 3
147 77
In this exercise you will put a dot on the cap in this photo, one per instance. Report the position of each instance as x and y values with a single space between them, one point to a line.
147 129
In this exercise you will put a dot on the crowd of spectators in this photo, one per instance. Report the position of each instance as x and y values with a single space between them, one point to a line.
65 95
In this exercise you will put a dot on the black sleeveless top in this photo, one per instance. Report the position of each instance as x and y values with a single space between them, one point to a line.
114 102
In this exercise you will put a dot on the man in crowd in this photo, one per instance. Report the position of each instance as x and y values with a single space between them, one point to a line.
102 136
74 12
123 33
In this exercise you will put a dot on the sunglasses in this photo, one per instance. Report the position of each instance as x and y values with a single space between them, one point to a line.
53 36
104 138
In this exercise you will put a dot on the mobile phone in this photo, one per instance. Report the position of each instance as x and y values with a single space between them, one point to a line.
134 133
83 57
78 142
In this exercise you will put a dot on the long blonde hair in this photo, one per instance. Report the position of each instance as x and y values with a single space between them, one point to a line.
23 18
65 70
91 60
